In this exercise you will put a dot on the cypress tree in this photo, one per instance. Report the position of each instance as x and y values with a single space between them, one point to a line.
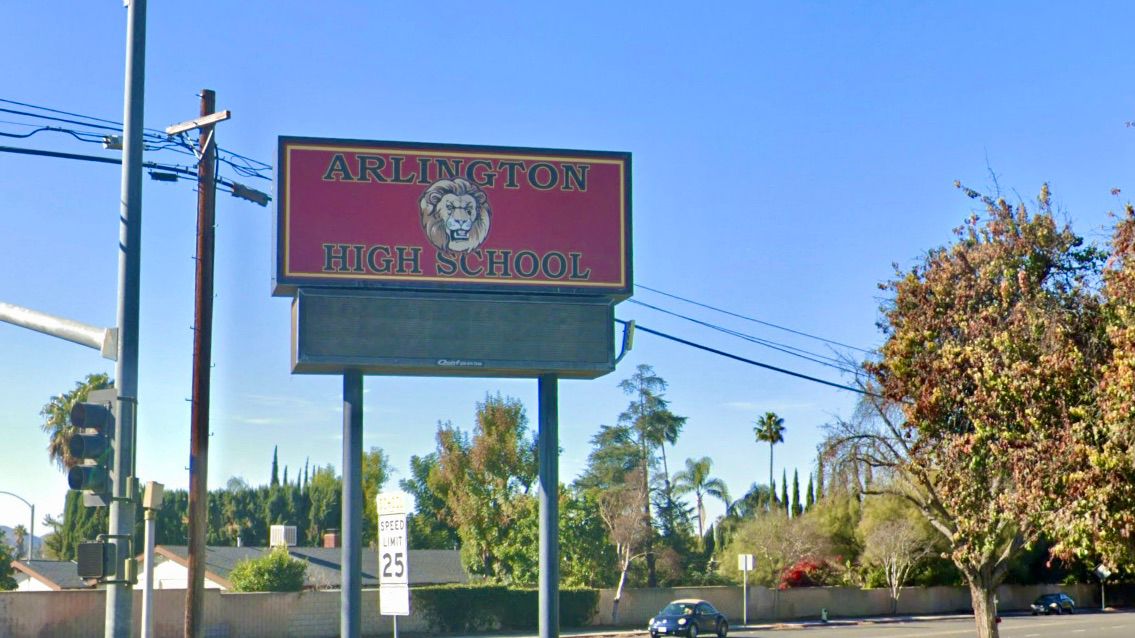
784 491
820 475
275 467
811 497
796 509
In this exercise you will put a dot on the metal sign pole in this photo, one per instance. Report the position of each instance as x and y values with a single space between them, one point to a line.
350 594
548 450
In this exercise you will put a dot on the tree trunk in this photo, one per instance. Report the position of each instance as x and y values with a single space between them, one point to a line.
619 592
651 574
770 488
984 594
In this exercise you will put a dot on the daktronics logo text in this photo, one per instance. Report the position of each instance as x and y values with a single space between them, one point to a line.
460 363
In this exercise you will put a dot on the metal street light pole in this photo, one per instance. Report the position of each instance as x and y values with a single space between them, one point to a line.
119 597
31 528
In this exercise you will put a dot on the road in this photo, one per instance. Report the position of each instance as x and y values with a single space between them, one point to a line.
1088 625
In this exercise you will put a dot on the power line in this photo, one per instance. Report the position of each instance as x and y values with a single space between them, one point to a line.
746 318
157 140
780 347
750 361
44 108
233 187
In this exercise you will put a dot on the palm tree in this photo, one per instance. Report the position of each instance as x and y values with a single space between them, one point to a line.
695 479
19 534
57 418
769 429
663 427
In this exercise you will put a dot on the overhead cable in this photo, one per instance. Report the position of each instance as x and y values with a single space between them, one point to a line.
746 318
780 347
766 366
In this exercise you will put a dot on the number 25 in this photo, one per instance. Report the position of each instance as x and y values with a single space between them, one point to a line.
393 560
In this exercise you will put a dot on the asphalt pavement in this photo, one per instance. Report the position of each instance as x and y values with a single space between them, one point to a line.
1015 624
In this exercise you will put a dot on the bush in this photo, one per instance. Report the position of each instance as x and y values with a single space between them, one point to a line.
462 608
809 572
274 571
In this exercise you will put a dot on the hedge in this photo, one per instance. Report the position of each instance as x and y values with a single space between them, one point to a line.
461 608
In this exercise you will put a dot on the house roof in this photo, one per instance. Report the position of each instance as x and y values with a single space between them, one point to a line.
426 566
56 574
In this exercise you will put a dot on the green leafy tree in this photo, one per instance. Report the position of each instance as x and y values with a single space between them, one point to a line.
777 543
325 499
56 415
7 554
427 527
769 429
483 480
1101 524
276 570
896 539
649 424
696 480
376 472
992 353
587 559
79 524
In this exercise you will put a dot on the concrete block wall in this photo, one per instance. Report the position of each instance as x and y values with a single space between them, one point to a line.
316 614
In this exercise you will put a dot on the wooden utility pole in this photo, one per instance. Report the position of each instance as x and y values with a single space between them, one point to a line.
202 362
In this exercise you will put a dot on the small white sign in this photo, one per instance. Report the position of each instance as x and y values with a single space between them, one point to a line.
394 600
745 562
393 556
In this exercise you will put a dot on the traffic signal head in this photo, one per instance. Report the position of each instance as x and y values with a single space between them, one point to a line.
91 444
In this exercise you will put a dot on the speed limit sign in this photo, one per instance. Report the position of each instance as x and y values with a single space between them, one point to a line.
393 556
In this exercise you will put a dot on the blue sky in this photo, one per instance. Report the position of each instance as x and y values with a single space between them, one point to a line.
785 155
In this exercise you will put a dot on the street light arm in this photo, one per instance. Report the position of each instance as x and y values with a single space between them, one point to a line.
31 528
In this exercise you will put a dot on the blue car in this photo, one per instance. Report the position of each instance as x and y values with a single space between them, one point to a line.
688 617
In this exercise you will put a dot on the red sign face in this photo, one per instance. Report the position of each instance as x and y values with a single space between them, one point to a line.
387 215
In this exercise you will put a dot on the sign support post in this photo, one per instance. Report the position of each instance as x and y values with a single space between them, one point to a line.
745 564
548 451
350 596
1104 573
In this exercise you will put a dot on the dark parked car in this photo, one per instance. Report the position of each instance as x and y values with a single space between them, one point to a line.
688 617
1054 604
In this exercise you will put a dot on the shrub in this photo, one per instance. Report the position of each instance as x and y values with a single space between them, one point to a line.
274 571
809 572
462 608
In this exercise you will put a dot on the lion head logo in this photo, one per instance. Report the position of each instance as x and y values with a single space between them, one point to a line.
455 215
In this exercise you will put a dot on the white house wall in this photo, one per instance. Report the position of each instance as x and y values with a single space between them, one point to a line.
171 575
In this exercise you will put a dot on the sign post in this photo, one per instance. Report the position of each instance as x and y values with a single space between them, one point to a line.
1104 573
745 564
393 557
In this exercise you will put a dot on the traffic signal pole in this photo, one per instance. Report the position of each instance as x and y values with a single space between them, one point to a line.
119 594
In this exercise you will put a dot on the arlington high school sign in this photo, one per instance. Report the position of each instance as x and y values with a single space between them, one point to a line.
452 260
